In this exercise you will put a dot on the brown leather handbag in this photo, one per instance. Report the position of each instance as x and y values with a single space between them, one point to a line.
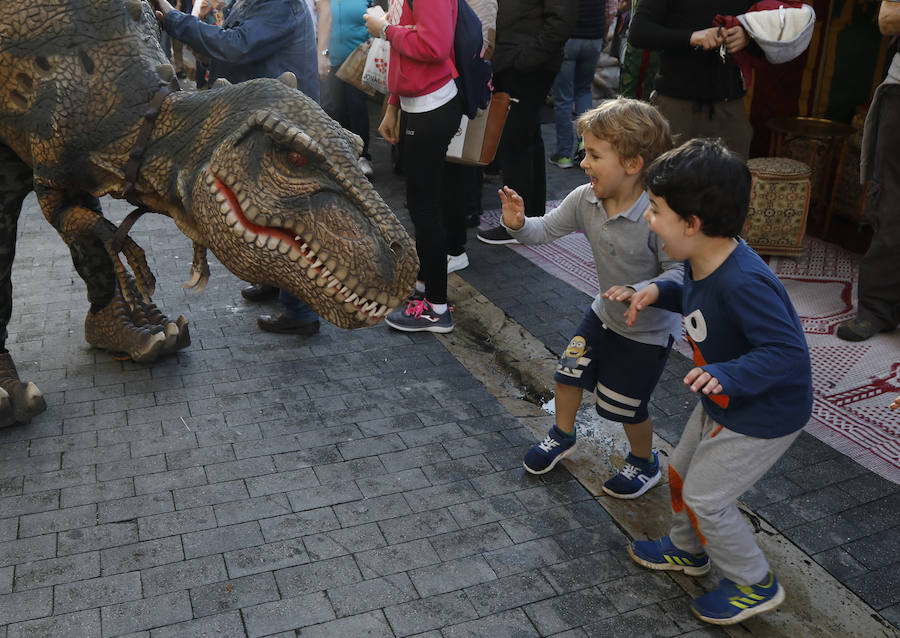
476 141
352 69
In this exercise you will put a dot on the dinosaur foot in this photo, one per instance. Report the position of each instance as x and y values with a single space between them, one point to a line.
147 316
19 402
112 328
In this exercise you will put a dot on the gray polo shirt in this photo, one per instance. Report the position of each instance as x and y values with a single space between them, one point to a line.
625 253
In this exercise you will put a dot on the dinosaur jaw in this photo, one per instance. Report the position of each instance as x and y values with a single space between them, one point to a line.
360 304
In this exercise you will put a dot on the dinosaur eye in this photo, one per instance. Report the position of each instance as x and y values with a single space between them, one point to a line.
296 158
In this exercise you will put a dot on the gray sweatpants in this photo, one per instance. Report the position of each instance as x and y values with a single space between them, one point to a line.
708 471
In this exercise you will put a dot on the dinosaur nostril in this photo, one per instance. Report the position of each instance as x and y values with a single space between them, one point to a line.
396 247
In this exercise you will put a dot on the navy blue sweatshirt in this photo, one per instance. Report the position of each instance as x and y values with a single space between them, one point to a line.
745 332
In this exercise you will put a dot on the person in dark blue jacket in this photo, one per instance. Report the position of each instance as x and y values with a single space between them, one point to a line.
258 39
752 372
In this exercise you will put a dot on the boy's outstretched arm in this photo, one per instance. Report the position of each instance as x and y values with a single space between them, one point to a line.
513 208
896 403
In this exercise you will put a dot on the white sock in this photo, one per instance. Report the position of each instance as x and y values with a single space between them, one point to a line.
439 308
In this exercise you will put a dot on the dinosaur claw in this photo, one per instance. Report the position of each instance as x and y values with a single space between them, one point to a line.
150 350
171 333
6 409
34 400
19 402
194 280
184 333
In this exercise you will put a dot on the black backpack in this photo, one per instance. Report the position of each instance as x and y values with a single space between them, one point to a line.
474 81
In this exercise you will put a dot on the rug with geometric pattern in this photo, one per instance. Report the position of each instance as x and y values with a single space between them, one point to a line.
853 383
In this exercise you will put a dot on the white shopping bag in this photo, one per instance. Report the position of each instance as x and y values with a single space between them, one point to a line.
376 70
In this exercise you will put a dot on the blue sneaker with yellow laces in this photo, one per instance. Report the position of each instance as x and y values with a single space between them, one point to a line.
663 555
732 603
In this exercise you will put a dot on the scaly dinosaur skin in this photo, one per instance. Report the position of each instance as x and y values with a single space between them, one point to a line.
255 172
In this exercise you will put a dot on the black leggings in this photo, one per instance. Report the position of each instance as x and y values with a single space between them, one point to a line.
425 142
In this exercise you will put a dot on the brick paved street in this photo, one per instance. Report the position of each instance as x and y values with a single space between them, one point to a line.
350 484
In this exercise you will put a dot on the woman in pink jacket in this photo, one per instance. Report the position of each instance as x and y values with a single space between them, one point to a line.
421 82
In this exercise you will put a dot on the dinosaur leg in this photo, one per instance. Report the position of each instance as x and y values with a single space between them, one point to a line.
121 317
19 402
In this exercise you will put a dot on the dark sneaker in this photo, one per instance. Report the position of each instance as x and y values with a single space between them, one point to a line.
732 603
663 555
635 478
418 316
856 329
544 456
497 235
285 325
259 292
562 161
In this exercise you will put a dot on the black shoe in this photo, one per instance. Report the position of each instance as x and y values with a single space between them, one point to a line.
259 292
857 329
496 235
284 325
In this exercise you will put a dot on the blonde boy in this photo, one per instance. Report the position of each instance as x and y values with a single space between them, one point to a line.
620 364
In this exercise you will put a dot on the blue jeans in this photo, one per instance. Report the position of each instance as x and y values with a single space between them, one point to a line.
573 86
296 309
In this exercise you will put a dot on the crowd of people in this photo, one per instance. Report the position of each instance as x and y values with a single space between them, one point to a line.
663 221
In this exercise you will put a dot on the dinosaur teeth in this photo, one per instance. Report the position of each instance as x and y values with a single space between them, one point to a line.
297 239
284 247
351 297
249 236
230 218
210 180
273 243
261 241
220 196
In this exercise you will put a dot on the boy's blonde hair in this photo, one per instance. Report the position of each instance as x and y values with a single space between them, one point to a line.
632 127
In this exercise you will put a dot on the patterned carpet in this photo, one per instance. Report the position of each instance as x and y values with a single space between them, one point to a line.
853 383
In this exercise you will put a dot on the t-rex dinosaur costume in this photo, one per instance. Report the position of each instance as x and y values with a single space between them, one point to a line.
256 172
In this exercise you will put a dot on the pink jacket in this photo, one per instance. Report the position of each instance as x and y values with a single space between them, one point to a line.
421 48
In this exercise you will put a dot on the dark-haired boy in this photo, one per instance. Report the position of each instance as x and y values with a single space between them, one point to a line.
752 370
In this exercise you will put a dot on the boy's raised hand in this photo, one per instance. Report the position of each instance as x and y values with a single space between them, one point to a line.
702 381
639 300
513 208
896 403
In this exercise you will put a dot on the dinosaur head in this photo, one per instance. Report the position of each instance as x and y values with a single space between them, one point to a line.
282 201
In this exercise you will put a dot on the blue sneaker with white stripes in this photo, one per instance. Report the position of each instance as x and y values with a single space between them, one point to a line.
663 555
635 478
544 456
732 603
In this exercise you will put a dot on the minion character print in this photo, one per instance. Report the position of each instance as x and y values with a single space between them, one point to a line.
573 361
